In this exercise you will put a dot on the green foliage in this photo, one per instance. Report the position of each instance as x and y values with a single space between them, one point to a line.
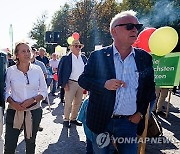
104 13
38 31
81 22
141 6
60 23
91 19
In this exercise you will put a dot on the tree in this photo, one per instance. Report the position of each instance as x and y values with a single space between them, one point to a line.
105 11
38 31
91 19
60 23
141 6
81 21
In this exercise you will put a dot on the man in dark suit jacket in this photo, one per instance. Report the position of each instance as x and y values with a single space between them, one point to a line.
69 69
42 56
120 79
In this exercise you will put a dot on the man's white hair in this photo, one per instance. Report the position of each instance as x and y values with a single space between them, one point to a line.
116 18
41 48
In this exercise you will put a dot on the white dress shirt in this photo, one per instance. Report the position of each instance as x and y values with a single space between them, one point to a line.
77 67
54 63
126 71
17 83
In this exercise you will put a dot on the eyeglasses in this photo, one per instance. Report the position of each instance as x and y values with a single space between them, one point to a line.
27 79
77 46
130 26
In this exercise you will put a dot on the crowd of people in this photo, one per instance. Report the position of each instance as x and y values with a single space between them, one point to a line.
119 79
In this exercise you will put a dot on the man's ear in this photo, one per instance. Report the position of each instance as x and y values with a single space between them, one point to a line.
113 32
69 47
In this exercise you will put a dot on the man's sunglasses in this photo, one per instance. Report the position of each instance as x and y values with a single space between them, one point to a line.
130 26
77 46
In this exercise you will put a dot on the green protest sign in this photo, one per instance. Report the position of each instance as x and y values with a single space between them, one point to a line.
167 70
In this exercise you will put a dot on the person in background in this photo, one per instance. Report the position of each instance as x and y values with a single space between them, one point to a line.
11 62
54 64
25 88
82 118
120 79
37 62
69 69
43 67
161 94
42 56
49 76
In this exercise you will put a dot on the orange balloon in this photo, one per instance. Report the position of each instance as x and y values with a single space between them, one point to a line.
75 35
143 38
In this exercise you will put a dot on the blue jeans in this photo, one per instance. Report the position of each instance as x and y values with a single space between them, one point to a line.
54 86
121 129
48 81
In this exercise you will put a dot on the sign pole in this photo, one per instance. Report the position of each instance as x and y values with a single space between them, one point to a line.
169 98
11 37
142 145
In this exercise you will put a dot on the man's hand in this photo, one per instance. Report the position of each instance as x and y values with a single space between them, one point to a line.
114 84
66 88
135 118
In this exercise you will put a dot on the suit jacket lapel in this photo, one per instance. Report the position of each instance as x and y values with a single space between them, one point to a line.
108 54
84 59
70 60
138 59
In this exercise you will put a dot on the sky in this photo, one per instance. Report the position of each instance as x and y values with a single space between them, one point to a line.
22 14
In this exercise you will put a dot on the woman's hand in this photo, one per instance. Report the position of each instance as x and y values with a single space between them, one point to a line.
25 104
17 106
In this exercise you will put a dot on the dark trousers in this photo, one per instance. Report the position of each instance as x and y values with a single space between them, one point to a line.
49 81
54 86
12 134
89 147
62 94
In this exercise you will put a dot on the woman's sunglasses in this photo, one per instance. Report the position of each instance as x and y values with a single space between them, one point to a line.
130 26
27 79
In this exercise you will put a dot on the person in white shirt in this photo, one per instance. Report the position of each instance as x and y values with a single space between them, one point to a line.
54 64
25 88
69 69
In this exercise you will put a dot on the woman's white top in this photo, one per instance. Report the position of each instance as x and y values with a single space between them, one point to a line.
18 86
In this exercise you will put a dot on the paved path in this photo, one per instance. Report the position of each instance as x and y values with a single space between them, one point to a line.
55 139
171 131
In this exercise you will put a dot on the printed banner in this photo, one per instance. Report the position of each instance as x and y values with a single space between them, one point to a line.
167 70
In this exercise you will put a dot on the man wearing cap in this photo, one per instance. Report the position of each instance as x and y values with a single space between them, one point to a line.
69 69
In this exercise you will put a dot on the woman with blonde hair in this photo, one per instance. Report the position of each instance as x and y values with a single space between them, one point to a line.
25 88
